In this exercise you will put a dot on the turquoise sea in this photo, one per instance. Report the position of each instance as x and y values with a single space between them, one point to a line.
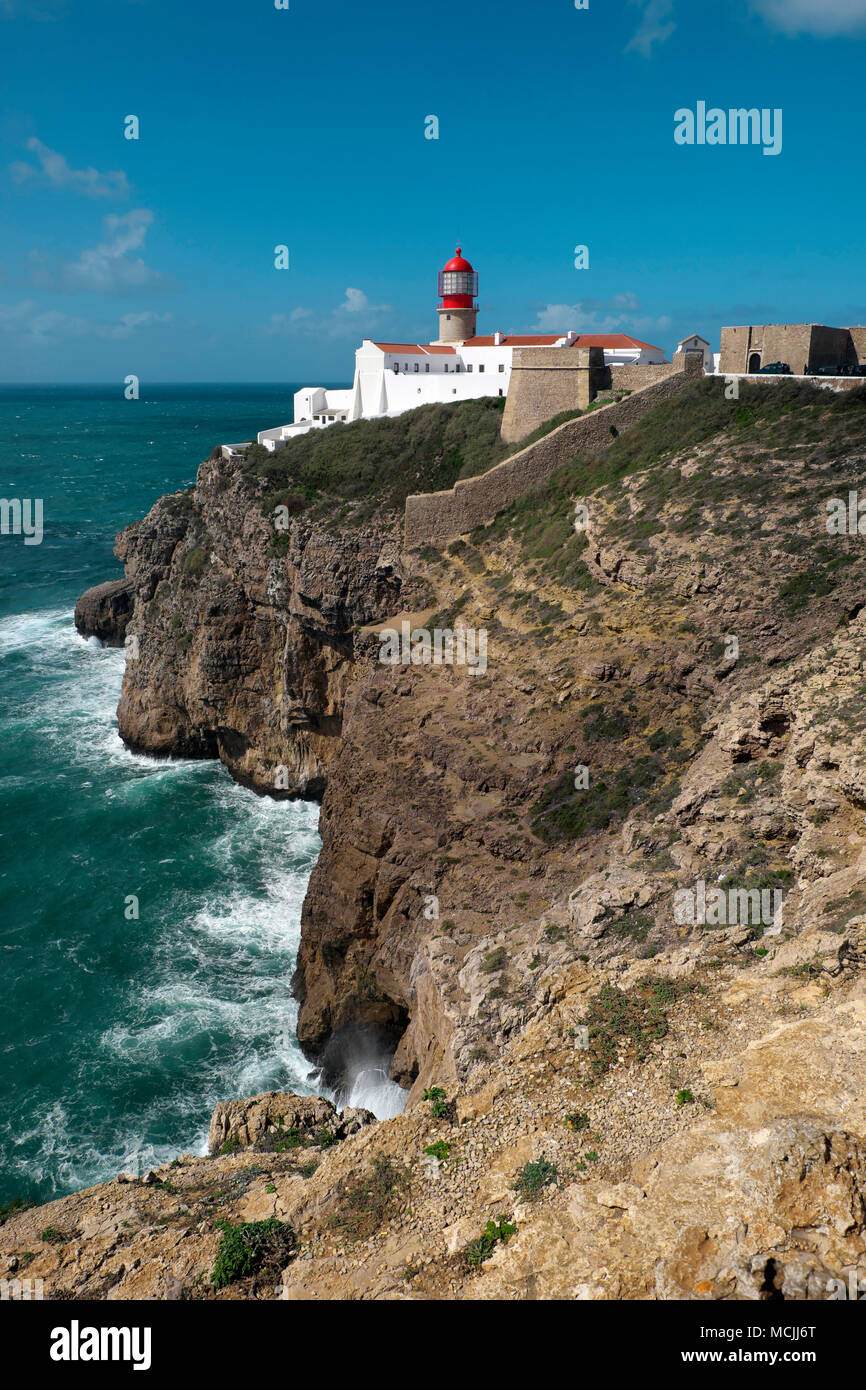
118 1036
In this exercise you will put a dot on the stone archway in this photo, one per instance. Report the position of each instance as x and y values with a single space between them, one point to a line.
754 363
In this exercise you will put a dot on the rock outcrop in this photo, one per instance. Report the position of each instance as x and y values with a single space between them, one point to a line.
501 903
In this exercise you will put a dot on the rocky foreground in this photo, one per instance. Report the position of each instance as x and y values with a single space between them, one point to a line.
608 1097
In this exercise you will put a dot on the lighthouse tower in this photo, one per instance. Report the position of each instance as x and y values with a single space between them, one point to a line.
458 286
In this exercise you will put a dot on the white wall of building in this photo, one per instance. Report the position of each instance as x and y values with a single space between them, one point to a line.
389 382
698 344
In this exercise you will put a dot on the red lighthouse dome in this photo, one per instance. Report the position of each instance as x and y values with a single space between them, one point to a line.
458 283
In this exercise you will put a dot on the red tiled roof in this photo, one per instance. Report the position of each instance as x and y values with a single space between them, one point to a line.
525 340
605 340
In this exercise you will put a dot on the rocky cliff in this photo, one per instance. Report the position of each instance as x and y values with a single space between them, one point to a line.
671 712
239 632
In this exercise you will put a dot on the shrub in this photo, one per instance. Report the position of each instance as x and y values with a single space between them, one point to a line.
439 1107
439 1150
365 1203
250 1247
494 960
194 561
534 1176
477 1251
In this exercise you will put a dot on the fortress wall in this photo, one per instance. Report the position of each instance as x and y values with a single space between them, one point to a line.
545 381
858 340
439 516
633 376
804 346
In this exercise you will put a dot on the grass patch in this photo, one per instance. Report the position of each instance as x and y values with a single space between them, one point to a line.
626 1025
366 1203
251 1247
533 1177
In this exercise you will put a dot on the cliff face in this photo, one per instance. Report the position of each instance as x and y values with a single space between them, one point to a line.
483 830
672 707
239 638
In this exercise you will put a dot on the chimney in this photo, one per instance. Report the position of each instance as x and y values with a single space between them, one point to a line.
497 340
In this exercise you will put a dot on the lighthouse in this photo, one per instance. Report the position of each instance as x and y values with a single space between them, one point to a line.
458 286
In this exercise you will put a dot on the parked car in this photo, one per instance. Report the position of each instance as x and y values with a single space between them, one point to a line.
775 369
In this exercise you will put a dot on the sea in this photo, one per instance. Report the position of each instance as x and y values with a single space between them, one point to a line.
149 909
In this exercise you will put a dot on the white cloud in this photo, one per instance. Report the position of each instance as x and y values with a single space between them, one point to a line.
620 314
656 26
108 267
824 19
342 320
28 323
356 302
54 170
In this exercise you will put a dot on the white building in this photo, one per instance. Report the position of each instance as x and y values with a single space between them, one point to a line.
697 344
393 377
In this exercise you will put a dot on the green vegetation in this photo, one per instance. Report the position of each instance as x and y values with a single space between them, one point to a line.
628 1024
441 1149
494 960
12 1208
423 450
280 1141
477 1251
534 1176
439 1107
563 813
685 1097
364 1204
52 1236
251 1247
577 1121
195 561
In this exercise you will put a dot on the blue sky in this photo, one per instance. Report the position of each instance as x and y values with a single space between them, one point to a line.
306 127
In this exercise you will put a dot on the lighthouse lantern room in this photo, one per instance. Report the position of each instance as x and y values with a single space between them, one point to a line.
458 312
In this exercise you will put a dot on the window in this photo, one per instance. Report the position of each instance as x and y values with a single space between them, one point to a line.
502 366
417 367
481 366
426 366
446 366
458 367
454 391
396 368
405 366
469 366
500 390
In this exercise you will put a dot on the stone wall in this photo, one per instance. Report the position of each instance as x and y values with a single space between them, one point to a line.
545 381
634 376
439 516
804 346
